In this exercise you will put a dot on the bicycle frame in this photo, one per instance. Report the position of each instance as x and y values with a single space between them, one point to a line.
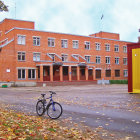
51 102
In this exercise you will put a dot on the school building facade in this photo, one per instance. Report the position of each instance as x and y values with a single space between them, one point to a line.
29 56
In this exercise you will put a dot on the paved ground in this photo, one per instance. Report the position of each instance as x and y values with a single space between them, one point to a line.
108 109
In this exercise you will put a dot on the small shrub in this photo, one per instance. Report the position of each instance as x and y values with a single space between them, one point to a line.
118 81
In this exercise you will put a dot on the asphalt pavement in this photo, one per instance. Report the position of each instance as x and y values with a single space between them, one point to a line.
102 107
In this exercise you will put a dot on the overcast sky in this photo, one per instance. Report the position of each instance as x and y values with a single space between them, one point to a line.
81 17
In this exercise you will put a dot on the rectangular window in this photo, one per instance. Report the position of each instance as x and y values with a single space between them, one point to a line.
36 41
21 56
36 56
87 59
107 47
64 57
21 39
75 44
52 56
97 46
125 61
116 48
98 59
64 43
125 73
125 49
21 74
87 45
117 73
108 73
31 73
117 60
51 42
107 59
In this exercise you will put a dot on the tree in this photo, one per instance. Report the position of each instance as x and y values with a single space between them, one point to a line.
3 7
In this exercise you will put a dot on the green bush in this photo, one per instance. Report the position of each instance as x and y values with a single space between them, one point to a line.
118 81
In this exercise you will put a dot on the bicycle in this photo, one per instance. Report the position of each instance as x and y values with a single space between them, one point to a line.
54 109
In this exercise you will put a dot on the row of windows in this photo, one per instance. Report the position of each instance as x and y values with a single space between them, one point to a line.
64 57
32 73
22 74
108 73
64 43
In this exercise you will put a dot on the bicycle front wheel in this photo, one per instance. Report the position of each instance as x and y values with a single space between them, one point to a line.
54 110
40 108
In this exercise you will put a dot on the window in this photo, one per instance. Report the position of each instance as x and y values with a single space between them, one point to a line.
51 42
116 48
125 73
36 41
87 45
107 47
117 60
75 44
98 59
125 61
64 43
87 58
107 59
117 73
52 56
64 57
21 56
108 73
21 39
36 56
21 74
97 46
125 49
31 73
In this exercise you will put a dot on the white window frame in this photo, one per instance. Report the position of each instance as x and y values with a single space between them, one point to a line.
51 42
31 73
64 43
125 61
98 46
125 73
21 74
75 44
125 49
87 45
36 56
21 39
107 47
87 57
116 48
107 59
117 60
98 59
22 54
64 57
36 41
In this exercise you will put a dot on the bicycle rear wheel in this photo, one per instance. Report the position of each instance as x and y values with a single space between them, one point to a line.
54 110
40 108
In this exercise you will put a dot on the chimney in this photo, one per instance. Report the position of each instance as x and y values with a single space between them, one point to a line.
139 39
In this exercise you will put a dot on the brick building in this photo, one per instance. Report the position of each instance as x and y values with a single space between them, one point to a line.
29 56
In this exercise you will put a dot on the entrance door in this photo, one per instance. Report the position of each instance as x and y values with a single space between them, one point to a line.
136 70
90 74
98 74
56 73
